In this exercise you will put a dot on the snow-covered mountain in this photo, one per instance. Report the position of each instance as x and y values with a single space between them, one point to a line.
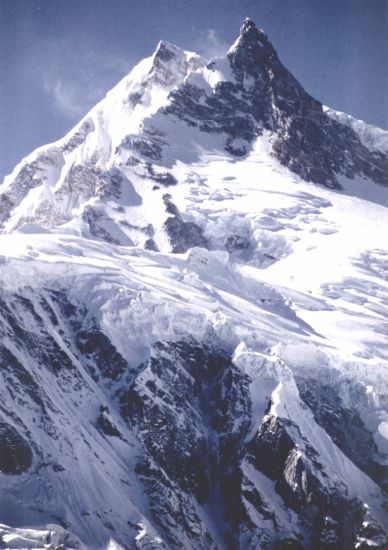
193 318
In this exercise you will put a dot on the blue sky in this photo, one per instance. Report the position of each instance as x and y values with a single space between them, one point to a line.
59 57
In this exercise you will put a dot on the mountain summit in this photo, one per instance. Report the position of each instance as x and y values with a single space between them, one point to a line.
252 48
161 114
193 318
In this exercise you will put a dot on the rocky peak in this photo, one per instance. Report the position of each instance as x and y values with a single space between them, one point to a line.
249 31
165 51
171 64
252 49
235 100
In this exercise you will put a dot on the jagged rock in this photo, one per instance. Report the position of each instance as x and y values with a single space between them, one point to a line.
15 453
105 424
183 235
211 397
345 427
371 536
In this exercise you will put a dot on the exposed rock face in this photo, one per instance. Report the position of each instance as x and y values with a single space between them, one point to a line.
326 515
15 454
265 96
182 234
345 427
193 412
192 409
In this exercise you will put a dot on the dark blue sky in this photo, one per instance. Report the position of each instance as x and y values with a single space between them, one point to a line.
59 57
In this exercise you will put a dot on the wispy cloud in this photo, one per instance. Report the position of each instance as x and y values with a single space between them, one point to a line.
74 83
68 97
210 44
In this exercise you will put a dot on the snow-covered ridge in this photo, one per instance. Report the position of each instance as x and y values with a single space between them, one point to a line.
375 139
136 96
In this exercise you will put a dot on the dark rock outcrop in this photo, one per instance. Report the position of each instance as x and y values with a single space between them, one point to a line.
345 427
15 453
266 96
183 234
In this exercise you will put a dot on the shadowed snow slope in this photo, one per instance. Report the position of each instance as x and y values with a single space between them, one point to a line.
193 318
